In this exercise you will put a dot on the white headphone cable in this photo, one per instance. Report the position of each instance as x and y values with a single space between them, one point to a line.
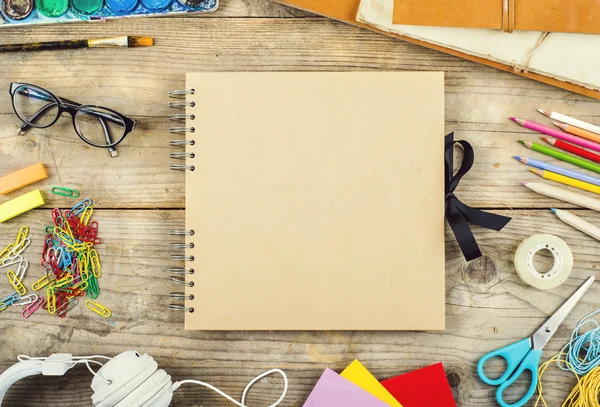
246 389
76 359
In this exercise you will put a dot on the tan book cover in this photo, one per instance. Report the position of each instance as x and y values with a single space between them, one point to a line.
573 16
316 200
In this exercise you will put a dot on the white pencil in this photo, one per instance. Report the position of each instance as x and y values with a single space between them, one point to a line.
578 223
569 120
564 195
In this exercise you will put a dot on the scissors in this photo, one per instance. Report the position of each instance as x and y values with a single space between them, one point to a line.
526 354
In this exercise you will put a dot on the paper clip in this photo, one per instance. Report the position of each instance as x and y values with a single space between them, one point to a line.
68 192
41 283
64 281
80 206
26 300
13 260
93 288
49 229
21 268
51 303
86 215
98 308
11 298
16 282
66 307
5 254
23 232
2 306
20 248
95 263
33 307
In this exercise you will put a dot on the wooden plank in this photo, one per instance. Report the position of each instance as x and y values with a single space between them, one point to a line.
136 81
487 307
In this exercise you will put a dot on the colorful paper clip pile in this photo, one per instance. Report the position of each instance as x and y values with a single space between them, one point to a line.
72 266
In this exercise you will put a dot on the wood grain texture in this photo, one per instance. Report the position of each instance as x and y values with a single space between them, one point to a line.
138 200
487 306
136 81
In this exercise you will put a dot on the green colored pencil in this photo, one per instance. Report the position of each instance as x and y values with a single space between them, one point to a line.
559 155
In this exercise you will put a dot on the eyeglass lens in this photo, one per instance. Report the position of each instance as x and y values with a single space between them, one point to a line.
35 106
99 126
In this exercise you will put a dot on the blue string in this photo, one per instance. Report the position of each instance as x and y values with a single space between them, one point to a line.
583 350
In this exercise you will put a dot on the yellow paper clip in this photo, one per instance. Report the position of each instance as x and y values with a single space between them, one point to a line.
16 282
98 308
51 300
63 281
86 215
95 263
2 306
5 254
41 283
23 232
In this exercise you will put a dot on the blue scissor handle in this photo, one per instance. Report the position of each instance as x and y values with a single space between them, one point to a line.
513 354
531 363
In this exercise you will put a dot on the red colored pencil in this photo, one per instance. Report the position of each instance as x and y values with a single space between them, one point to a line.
572 149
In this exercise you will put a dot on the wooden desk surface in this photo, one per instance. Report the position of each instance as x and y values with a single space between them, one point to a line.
137 200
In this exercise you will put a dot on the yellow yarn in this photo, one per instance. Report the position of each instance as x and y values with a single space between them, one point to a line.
584 394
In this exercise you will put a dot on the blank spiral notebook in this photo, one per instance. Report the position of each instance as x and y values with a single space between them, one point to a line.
316 201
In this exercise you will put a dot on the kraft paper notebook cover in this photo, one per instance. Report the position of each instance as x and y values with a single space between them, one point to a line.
332 390
574 16
316 201
572 77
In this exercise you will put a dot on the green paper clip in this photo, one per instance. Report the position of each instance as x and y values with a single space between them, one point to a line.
62 191
49 229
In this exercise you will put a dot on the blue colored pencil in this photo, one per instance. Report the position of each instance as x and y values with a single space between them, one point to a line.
543 165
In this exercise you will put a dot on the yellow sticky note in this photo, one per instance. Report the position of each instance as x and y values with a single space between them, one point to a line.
21 204
360 376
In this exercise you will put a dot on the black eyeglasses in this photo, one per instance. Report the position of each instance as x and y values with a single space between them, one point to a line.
97 126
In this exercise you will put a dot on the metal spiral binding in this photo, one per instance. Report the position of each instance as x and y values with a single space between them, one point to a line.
178 274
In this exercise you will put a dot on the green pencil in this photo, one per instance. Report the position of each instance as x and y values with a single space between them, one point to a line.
559 155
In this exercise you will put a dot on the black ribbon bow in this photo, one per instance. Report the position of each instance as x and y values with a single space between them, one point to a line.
458 214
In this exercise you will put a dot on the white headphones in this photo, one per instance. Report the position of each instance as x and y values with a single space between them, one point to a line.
127 380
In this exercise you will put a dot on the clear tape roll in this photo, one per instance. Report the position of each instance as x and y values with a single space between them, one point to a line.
561 269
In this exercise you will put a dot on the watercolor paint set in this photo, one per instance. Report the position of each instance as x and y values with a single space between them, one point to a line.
25 12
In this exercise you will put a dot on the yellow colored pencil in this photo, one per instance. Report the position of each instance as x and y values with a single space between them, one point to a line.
552 176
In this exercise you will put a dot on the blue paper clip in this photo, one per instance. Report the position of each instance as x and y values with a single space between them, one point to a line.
11 298
81 206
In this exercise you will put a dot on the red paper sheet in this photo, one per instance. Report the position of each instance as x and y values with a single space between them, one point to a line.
427 387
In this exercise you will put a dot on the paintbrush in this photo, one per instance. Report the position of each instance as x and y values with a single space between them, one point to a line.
116 42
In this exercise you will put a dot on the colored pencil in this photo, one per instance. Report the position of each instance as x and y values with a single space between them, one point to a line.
569 120
580 162
578 132
578 223
540 128
552 176
564 195
573 149
117 42
543 165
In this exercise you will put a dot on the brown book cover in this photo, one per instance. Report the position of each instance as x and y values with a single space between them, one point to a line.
346 10
573 16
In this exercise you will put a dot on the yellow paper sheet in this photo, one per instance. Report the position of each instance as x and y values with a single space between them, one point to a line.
360 376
